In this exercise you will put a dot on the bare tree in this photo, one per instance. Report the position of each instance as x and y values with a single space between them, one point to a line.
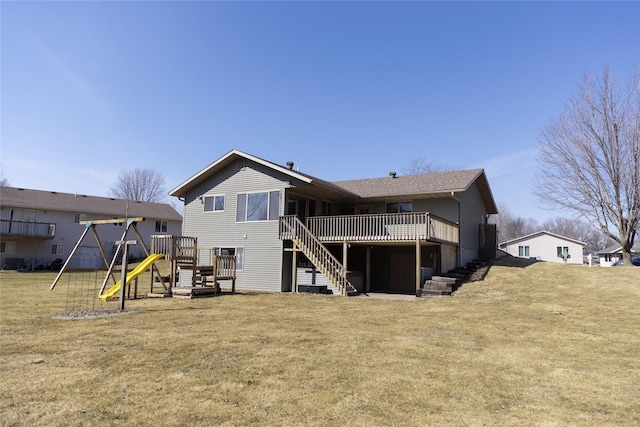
589 158
578 230
4 182
420 165
510 226
142 185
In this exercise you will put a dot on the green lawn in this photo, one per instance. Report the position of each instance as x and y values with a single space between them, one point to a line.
546 345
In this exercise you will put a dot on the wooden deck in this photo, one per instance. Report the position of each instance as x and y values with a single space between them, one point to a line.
405 227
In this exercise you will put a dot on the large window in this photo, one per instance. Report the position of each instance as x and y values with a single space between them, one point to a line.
563 251
238 252
258 206
523 250
399 207
214 203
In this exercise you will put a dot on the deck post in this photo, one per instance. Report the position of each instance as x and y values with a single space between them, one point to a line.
368 278
345 247
294 271
418 264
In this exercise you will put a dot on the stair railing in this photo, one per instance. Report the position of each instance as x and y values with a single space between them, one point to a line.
291 228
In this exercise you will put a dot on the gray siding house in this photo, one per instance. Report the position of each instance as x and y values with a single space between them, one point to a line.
38 227
288 228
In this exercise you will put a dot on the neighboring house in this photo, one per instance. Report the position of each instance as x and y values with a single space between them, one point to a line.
613 254
286 227
545 246
39 227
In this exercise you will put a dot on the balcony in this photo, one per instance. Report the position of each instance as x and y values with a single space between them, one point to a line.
403 227
38 230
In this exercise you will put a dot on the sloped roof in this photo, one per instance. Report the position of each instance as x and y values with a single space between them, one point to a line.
233 155
536 234
80 203
617 248
433 184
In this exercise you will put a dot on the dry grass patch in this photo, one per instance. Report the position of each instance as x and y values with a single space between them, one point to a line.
542 345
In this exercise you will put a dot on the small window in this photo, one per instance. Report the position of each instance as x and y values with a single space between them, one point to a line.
57 249
7 247
161 226
523 251
399 207
563 251
77 218
117 224
238 252
214 203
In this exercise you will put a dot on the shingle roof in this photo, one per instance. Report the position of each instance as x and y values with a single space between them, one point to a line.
617 248
422 185
79 203
434 184
537 233
441 182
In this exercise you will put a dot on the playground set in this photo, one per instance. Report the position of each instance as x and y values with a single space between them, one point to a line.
205 267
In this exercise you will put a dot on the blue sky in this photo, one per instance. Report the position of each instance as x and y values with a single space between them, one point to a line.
344 89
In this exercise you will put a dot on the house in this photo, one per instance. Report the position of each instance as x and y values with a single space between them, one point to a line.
545 246
613 254
287 228
38 228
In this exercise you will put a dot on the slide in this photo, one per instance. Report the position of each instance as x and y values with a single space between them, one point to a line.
141 268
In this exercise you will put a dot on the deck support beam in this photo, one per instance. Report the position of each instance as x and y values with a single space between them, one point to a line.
294 271
418 265
368 273
345 248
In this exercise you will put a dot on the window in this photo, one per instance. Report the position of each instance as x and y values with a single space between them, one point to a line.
563 251
57 249
77 218
399 207
214 203
326 208
161 226
258 206
117 224
523 250
7 247
238 252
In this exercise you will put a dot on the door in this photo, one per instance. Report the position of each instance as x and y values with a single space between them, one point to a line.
402 272
25 222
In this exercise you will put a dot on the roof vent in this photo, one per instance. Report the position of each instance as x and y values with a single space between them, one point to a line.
392 174
290 165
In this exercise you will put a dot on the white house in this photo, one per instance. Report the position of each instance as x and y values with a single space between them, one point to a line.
613 254
40 228
545 246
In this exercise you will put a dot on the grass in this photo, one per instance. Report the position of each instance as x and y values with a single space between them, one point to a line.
546 345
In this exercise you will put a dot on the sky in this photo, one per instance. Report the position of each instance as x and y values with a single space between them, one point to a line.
345 90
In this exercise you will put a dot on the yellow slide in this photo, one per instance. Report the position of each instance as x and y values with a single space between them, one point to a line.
141 268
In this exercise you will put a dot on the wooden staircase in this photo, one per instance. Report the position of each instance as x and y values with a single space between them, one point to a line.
291 228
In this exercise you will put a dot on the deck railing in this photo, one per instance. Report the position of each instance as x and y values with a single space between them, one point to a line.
178 248
27 229
291 228
383 227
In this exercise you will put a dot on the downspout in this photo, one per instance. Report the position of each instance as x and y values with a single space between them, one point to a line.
459 250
